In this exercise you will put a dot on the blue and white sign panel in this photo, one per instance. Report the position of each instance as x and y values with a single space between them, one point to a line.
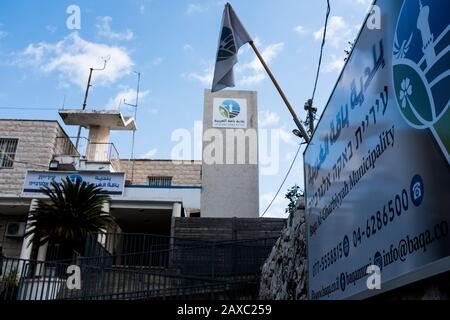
377 173
111 182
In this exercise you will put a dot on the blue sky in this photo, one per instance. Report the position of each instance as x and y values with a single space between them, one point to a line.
173 44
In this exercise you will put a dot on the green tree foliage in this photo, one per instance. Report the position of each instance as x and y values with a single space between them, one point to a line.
72 211
293 194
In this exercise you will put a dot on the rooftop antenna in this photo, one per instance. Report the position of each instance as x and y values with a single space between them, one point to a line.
120 103
134 130
105 61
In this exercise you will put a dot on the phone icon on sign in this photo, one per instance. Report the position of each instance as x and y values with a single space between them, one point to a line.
417 190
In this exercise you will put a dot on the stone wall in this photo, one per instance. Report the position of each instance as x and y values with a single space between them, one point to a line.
37 142
285 272
186 173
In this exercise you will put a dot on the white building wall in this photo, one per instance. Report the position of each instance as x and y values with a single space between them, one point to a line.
189 197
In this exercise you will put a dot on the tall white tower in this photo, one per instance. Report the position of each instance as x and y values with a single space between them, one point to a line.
230 175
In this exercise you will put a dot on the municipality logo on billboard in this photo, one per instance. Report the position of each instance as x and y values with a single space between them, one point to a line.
421 68
230 113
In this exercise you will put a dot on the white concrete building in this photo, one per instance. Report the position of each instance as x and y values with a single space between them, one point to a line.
145 194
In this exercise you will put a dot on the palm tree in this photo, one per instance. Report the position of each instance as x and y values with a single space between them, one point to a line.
73 211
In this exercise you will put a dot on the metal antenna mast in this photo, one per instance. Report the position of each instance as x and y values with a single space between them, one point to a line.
134 130
105 61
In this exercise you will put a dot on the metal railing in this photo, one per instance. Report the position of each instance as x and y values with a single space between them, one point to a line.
65 146
91 151
35 280
212 259
101 152
166 268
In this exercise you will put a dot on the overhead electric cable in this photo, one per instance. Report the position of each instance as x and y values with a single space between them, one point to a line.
312 99
321 49
27 108
284 180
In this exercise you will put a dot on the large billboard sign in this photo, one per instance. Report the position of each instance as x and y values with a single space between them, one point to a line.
377 173
111 182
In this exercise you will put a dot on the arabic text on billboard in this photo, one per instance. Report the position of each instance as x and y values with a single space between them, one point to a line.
377 173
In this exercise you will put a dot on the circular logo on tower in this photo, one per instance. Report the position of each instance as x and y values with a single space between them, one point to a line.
420 64
229 109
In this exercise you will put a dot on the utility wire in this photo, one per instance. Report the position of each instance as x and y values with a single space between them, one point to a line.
284 180
312 99
22 162
321 49
26 108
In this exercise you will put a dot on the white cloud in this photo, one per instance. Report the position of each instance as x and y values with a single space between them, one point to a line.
188 47
205 77
269 53
196 8
251 73
257 72
338 32
278 207
127 95
150 154
300 29
268 118
287 137
51 28
335 64
258 43
72 57
157 61
252 79
104 30
142 9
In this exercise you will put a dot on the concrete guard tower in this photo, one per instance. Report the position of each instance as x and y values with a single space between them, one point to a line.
100 152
